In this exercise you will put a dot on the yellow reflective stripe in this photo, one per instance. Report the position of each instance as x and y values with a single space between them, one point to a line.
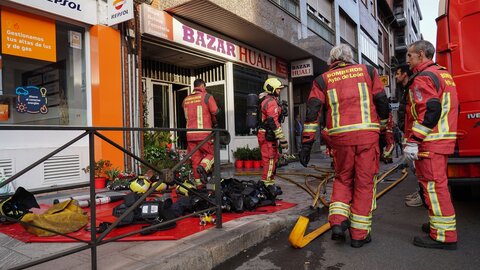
412 101
388 150
279 133
442 219
333 100
364 102
444 127
417 127
199 117
339 208
441 136
270 170
383 121
364 219
310 127
432 195
348 128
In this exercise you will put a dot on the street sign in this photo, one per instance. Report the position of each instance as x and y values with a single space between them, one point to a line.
385 80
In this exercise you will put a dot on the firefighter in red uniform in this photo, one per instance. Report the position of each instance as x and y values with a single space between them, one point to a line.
200 111
432 110
390 142
355 100
270 130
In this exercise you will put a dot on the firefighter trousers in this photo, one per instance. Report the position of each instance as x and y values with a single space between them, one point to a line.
203 157
353 194
269 150
431 171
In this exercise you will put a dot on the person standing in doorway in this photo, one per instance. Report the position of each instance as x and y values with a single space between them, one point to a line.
200 112
432 115
270 132
356 107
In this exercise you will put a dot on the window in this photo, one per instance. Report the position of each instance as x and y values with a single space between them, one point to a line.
348 30
291 6
245 81
380 42
373 10
41 92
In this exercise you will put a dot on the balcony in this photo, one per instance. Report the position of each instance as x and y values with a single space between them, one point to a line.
400 44
400 16
320 28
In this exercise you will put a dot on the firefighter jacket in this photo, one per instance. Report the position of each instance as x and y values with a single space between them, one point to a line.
200 112
354 97
271 114
432 109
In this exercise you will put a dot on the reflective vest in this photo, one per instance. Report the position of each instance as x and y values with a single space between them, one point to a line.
200 109
347 92
432 82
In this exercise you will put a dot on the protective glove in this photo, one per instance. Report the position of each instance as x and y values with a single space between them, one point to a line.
305 154
411 151
283 144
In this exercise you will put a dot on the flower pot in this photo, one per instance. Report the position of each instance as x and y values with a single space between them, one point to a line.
238 164
257 164
100 182
248 164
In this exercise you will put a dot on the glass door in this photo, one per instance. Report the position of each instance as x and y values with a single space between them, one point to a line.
217 90
180 92
161 105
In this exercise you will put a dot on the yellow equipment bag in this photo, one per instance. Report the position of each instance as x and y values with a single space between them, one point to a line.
64 217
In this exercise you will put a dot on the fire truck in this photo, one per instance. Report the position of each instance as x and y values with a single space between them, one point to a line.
458 50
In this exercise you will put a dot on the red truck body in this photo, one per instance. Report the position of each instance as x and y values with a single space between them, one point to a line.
458 49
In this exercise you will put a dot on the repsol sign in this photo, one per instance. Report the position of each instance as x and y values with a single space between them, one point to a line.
67 3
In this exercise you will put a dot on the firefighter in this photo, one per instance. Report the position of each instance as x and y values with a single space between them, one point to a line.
200 111
431 126
270 132
355 100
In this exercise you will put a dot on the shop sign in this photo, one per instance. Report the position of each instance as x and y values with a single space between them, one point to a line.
31 99
302 68
28 36
79 10
159 23
119 11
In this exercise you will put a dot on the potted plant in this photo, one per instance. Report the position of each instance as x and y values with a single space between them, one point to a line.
248 163
257 157
237 154
112 173
100 167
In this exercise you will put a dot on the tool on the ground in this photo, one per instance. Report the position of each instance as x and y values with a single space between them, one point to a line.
84 200
206 218
297 237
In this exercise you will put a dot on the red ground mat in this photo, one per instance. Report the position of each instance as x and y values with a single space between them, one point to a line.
184 227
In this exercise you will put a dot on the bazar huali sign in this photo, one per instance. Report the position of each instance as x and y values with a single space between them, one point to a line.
161 24
28 36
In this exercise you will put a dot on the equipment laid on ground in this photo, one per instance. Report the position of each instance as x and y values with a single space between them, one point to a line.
84 200
17 205
151 211
206 219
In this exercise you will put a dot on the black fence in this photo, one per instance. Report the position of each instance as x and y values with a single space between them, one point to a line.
166 176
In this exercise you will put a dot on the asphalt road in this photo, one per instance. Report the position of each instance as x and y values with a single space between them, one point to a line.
393 229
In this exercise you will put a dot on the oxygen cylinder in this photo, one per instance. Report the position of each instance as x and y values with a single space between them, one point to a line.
252 111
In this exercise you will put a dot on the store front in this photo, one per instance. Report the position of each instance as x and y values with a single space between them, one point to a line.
176 52
46 79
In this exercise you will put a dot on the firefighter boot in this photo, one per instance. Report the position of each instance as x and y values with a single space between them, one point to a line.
359 243
338 231
427 242
203 174
426 227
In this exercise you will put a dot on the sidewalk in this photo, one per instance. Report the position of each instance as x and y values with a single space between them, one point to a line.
203 250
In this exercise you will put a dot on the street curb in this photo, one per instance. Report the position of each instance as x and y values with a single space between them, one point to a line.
218 245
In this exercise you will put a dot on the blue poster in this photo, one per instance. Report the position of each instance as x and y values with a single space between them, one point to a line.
31 99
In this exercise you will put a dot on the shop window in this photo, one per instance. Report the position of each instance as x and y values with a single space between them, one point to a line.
35 90
245 81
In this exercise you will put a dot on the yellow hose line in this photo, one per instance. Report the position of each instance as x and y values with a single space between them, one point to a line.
297 237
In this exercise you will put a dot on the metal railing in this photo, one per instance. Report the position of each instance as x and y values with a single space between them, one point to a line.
166 176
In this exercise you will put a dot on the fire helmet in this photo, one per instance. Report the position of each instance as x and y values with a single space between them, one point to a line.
140 185
271 84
